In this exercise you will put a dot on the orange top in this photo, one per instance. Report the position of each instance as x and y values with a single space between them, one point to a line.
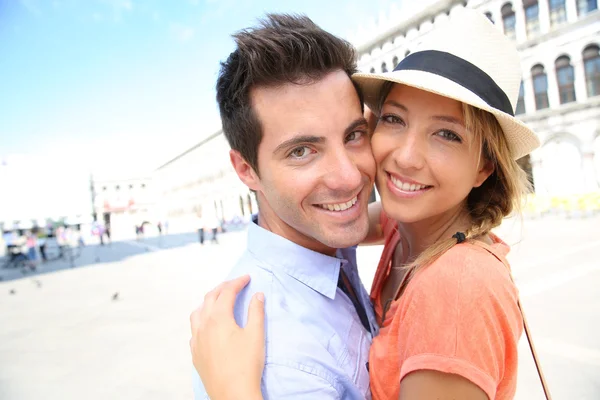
458 315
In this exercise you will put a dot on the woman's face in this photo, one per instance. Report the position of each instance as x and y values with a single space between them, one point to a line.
427 162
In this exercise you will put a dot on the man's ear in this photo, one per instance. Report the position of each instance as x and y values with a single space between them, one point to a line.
486 169
244 170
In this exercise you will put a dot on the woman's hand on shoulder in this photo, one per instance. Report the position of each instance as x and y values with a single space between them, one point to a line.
435 385
229 359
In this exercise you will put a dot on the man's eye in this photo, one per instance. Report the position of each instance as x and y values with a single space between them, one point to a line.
354 136
300 152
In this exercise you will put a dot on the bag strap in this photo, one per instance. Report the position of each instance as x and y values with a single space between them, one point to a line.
536 359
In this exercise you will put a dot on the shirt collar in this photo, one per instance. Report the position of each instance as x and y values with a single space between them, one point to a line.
318 271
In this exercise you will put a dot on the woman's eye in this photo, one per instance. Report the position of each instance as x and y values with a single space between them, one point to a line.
449 135
300 152
391 119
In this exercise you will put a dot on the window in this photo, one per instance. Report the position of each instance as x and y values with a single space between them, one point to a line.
509 20
532 17
407 53
591 62
372 70
540 87
384 67
558 12
395 61
565 77
586 6
521 100
489 16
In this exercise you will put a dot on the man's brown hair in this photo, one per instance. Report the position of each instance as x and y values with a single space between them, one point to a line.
281 49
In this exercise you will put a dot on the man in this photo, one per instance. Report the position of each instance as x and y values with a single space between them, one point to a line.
298 138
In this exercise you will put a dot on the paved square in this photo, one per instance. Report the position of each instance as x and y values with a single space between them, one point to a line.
63 336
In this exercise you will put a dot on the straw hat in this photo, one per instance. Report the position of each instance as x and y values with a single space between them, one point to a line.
467 59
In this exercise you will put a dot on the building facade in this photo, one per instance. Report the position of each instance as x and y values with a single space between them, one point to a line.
558 41
199 181
123 204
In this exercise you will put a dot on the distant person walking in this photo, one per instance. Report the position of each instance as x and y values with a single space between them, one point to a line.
31 249
213 224
201 226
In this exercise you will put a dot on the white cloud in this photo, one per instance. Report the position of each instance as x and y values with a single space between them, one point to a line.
181 32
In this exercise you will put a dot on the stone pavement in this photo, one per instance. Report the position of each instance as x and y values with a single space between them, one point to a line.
116 326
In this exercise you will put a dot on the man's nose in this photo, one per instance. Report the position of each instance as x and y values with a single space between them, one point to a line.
342 172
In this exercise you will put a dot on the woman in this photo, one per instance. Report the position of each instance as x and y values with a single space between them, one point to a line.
446 144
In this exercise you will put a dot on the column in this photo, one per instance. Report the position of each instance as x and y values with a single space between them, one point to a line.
544 16
571 7
580 86
590 183
529 93
553 97
538 172
520 29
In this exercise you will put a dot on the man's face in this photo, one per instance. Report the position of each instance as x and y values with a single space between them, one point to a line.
315 162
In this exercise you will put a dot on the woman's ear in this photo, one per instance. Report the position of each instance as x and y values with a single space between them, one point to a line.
485 170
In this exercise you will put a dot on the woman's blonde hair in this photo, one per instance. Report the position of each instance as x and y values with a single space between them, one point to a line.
502 192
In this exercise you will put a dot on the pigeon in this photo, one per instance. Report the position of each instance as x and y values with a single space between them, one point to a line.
115 296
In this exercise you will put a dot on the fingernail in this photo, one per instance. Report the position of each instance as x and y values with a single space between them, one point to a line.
260 297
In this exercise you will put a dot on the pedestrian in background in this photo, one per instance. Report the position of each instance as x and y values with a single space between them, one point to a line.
201 228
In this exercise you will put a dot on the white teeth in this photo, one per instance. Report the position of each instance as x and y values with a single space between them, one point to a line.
340 206
407 187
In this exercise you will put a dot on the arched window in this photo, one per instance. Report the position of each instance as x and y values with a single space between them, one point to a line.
521 100
384 67
565 76
372 70
407 53
509 20
540 86
558 12
532 17
586 6
395 61
591 62
489 16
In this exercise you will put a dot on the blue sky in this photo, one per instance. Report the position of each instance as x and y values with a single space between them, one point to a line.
123 85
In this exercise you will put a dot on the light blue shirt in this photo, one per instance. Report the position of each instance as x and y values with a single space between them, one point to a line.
316 346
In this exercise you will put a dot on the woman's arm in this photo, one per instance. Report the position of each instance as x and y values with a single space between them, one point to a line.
375 235
229 359
434 385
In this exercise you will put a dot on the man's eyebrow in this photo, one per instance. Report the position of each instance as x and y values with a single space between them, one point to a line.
396 104
449 119
296 140
359 122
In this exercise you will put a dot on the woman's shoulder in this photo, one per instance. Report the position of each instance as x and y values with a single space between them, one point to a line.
475 267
